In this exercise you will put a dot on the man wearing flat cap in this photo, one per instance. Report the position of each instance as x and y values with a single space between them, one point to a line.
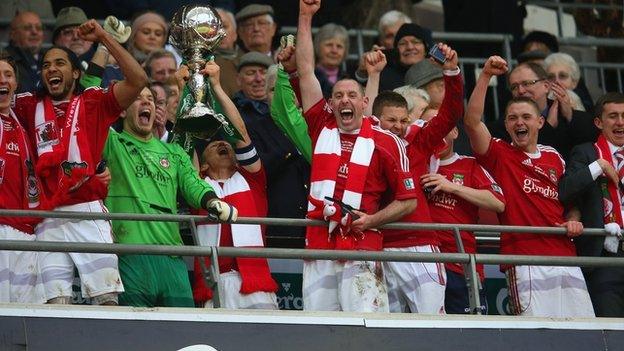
428 76
256 28
66 31
286 169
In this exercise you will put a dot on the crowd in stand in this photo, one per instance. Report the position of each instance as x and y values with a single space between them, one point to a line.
89 125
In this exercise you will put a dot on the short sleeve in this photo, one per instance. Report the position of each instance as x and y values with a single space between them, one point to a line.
316 117
396 170
481 179
489 159
108 107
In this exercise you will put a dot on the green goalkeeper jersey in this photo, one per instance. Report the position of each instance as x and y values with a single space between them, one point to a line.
146 177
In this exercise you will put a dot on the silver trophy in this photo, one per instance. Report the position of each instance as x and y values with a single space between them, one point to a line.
195 32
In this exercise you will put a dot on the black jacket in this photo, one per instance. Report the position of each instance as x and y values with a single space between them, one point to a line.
27 68
288 173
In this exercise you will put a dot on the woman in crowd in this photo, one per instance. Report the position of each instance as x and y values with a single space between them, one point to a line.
331 46
562 68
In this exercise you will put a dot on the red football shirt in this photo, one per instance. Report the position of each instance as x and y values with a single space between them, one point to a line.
530 186
14 181
102 110
449 208
423 141
388 169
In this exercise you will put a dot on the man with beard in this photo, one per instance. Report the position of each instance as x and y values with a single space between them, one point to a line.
68 130
146 177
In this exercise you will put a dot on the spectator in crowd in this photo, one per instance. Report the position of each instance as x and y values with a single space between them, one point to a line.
331 47
411 45
529 173
26 38
563 69
287 170
417 100
593 184
540 41
427 76
237 177
172 90
67 165
354 163
457 190
162 126
564 127
66 35
160 64
19 189
256 28
389 24
228 54
149 33
146 177
415 286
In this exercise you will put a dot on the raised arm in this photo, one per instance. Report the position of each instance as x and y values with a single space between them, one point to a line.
135 77
375 61
312 92
478 133
212 70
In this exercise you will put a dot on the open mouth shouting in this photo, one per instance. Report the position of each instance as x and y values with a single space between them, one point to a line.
522 134
144 116
346 115
4 91
55 83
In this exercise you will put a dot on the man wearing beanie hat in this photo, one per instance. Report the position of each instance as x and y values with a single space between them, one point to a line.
287 170
256 28
428 76
411 44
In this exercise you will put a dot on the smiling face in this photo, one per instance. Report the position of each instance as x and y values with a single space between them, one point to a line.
58 75
523 82
139 117
8 84
252 81
27 31
411 50
348 102
611 123
331 53
523 122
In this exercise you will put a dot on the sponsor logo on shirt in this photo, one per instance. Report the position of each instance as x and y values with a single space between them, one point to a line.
527 162
553 175
47 134
343 170
409 184
531 186
442 199
458 179
12 148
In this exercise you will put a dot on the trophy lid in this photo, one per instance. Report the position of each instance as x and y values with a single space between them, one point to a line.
196 26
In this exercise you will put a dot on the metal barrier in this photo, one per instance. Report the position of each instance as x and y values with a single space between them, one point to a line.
469 261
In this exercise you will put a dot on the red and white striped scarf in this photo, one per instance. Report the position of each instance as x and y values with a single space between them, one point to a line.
66 150
325 164
254 272
611 203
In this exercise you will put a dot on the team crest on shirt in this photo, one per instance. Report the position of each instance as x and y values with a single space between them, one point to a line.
458 179
164 162
47 134
553 175
2 163
409 183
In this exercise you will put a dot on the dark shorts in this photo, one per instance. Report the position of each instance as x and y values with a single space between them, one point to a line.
456 295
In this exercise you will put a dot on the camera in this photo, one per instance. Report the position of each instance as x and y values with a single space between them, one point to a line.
437 54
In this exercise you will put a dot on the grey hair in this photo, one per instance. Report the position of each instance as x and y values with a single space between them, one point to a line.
390 18
331 31
229 14
560 58
410 92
